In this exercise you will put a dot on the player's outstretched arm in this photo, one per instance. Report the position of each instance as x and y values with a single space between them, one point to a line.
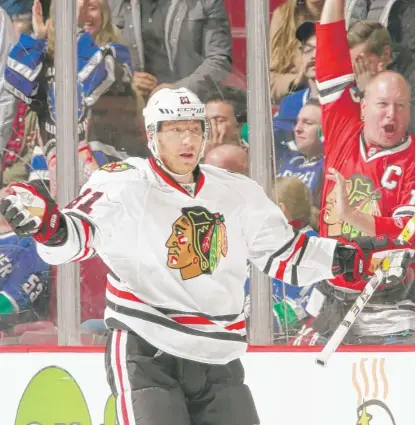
31 211
276 248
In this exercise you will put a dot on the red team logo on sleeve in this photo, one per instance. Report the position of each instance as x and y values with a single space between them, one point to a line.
362 196
114 167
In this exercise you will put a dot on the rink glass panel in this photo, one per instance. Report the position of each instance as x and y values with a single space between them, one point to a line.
116 120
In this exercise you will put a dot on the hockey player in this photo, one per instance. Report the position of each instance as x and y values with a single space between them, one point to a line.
176 237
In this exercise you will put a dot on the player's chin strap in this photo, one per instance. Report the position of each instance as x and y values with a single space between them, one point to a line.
160 163
154 148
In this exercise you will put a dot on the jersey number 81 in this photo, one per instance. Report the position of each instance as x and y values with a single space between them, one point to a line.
85 201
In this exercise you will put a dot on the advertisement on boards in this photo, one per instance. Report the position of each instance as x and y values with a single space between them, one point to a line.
355 389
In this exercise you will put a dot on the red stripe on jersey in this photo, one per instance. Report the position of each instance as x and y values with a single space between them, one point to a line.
283 264
197 320
123 294
171 182
236 326
122 394
182 320
192 320
199 183
392 226
87 233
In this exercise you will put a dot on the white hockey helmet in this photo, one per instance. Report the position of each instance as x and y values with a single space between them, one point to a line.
173 105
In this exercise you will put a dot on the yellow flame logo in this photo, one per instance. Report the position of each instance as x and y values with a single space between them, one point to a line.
370 382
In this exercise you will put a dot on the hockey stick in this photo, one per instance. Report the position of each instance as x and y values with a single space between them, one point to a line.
339 334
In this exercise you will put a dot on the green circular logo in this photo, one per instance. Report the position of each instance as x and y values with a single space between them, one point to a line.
53 397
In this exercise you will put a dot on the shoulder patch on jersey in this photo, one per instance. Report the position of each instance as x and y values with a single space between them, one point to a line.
115 167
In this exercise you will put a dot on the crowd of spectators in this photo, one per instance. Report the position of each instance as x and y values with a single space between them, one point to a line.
128 50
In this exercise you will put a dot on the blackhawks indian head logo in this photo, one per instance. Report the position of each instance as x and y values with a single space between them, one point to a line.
197 242
362 196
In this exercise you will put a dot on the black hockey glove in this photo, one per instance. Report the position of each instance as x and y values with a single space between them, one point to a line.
31 211
362 256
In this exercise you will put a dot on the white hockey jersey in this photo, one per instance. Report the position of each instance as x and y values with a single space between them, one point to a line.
178 262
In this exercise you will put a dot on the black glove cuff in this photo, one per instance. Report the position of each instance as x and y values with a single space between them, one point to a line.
337 265
343 262
61 236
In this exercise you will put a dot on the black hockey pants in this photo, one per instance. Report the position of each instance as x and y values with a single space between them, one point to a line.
154 388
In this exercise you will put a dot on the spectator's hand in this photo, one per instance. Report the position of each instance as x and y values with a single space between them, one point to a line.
301 78
342 204
364 71
217 136
162 86
82 12
40 28
34 139
144 82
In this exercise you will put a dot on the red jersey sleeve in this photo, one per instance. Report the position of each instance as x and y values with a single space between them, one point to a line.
401 172
333 63
392 227
335 82
406 204
402 211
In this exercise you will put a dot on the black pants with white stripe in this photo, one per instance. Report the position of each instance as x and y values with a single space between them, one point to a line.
155 388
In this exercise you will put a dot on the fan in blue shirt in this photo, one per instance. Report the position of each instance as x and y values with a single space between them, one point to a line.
303 157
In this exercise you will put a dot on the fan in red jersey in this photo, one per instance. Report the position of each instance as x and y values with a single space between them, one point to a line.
370 165
366 142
